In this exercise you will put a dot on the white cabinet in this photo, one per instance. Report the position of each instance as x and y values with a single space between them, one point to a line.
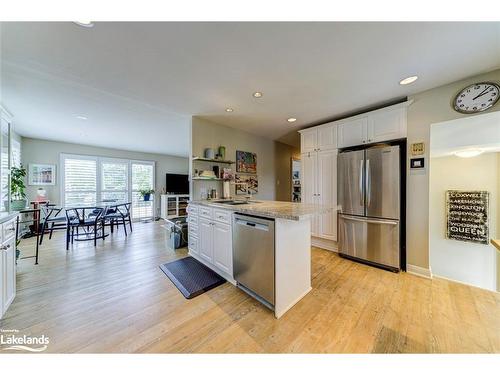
352 133
173 205
319 138
308 140
381 125
7 266
327 192
205 245
222 241
319 184
387 125
211 238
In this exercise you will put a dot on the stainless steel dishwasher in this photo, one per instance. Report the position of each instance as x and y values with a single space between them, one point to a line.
253 256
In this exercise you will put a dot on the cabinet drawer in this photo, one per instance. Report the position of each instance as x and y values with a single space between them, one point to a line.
192 209
222 216
192 244
9 230
193 229
205 212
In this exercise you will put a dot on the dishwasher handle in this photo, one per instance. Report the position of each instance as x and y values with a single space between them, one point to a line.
252 224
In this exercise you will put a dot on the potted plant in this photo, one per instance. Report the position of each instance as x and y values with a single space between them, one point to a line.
146 194
17 188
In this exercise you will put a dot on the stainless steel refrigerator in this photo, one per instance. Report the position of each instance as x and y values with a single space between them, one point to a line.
369 192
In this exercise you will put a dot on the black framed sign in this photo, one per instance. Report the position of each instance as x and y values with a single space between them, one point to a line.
467 216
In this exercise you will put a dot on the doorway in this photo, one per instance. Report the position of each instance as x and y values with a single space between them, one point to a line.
464 202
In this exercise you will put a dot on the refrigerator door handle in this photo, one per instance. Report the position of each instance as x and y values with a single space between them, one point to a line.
368 183
361 195
371 221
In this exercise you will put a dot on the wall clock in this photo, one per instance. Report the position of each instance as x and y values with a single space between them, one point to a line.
477 97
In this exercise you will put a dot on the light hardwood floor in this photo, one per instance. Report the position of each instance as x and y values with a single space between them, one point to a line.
114 298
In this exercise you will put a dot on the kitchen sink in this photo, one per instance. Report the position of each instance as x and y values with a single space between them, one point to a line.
231 203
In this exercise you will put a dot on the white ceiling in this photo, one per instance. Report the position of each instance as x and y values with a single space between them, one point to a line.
475 132
140 83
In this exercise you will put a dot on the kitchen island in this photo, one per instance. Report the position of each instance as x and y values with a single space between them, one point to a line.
220 237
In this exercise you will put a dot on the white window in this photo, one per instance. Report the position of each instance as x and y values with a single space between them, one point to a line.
80 180
16 153
91 179
142 179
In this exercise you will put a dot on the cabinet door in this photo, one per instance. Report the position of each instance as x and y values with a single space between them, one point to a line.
327 190
352 133
308 181
205 243
387 125
223 247
9 270
327 137
308 140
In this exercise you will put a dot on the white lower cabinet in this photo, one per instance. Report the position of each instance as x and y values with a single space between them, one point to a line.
222 241
205 245
7 267
211 239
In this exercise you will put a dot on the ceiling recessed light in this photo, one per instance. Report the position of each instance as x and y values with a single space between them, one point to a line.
80 117
229 110
84 23
469 153
257 94
408 80
291 119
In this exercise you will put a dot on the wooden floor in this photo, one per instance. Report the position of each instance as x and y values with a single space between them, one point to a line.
114 298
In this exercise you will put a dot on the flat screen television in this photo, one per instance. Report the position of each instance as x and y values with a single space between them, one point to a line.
177 184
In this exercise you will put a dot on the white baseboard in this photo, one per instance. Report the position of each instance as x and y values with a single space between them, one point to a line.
419 271
324 244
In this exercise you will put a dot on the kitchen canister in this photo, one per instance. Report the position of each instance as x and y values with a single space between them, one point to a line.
209 153
222 152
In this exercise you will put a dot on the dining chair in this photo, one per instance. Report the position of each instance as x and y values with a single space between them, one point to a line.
53 218
89 219
116 215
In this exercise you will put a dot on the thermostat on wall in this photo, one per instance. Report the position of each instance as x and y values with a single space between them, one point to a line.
417 163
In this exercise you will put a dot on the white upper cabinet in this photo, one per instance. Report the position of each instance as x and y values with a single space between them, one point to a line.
308 140
320 138
386 125
327 137
353 133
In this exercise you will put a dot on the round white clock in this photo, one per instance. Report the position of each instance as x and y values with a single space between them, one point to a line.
477 97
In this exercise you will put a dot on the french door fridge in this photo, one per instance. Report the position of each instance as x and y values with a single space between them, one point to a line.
369 184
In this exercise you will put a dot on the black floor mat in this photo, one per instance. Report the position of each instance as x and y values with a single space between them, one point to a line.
191 277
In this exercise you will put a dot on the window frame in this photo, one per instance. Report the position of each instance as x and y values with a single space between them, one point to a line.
103 159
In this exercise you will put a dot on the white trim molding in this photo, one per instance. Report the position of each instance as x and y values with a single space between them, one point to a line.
419 271
324 244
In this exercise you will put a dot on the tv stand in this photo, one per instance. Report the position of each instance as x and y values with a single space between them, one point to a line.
173 205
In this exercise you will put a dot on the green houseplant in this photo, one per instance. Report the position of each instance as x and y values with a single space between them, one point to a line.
17 188
146 193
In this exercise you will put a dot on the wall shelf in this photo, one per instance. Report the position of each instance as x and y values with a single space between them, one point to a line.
209 179
197 158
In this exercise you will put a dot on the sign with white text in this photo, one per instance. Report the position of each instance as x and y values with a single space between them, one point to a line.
467 216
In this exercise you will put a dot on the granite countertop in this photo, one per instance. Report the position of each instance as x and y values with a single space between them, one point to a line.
272 209
6 216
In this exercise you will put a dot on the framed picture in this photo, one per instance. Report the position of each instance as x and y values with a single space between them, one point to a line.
246 162
41 174
251 181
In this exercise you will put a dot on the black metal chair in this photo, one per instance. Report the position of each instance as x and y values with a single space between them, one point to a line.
53 218
89 219
116 215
